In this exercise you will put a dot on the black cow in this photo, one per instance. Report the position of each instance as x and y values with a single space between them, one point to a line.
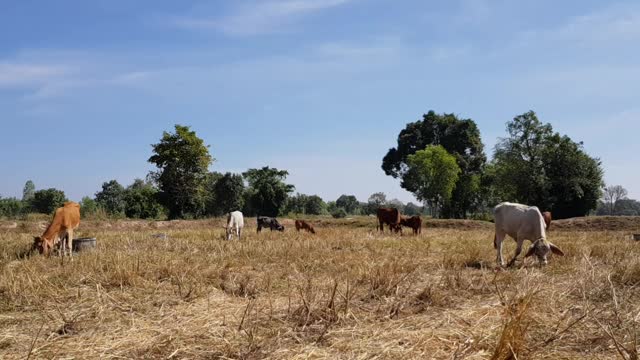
269 222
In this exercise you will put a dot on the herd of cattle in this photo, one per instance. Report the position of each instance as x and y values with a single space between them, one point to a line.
520 222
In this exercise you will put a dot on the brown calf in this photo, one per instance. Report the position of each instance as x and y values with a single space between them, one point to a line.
414 222
301 224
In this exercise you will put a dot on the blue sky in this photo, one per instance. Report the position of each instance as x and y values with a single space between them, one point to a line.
318 87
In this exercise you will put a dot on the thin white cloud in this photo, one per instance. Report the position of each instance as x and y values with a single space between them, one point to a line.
258 17
609 26
25 74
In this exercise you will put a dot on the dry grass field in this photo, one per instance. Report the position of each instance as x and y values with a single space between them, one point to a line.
347 292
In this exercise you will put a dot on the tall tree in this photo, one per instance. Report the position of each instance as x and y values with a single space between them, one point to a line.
48 200
536 166
432 174
613 194
459 137
111 198
375 201
182 160
349 203
267 194
28 191
228 193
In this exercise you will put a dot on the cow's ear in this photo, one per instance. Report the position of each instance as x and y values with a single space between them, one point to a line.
556 250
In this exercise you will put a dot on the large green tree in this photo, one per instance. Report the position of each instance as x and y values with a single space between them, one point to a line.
432 174
535 165
228 194
460 138
111 198
48 200
182 160
267 193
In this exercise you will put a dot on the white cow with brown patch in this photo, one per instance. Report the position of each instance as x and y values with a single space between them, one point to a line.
522 222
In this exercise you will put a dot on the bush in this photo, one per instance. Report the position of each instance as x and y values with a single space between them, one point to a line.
12 208
47 201
339 213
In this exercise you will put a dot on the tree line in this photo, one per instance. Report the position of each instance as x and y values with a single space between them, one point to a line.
440 159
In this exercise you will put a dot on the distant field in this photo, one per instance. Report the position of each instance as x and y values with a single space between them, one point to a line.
346 292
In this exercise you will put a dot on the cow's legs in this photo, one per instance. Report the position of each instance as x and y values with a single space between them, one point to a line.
69 243
259 228
519 243
239 233
498 240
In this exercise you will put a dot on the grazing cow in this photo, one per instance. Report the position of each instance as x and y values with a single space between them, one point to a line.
269 222
301 224
235 223
413 222
389 216
547 219
65 220
522 222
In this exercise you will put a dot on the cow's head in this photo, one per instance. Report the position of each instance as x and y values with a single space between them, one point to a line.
41 245
541 249
280 227
227 231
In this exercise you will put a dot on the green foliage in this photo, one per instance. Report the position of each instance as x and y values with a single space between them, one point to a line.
29 191
267 194
88 207
112 198
306 204
536 166
48 200
412 209
339 213
142 202
349 203
226 194
12 208
375 201
183 161
459 137
431 175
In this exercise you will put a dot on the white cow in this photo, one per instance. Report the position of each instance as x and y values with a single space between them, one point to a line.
522 222
235 223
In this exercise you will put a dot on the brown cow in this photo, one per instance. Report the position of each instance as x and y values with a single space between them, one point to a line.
389 216
413 222
547 218
65 220
301 224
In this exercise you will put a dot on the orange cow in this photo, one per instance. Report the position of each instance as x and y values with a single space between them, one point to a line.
65 220
301 224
